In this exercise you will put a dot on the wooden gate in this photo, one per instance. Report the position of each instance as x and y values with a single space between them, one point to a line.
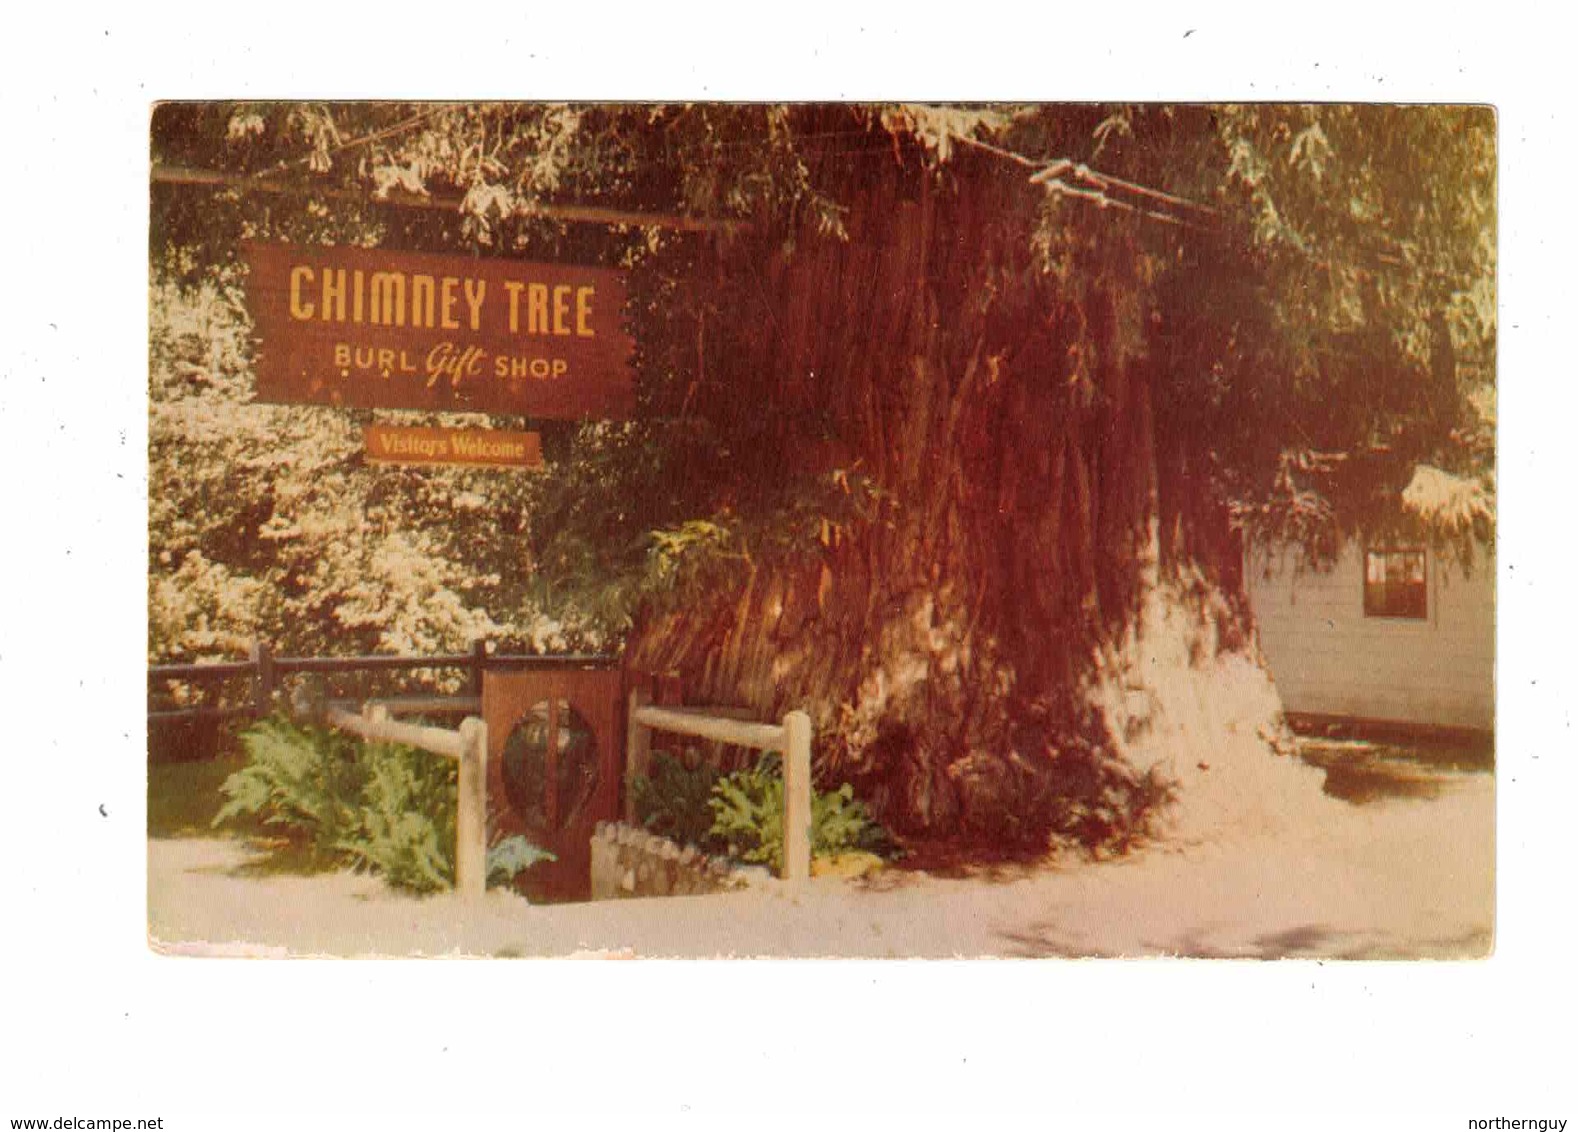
555 760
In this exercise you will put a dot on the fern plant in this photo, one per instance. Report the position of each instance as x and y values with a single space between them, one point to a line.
674 801
512 856
406 818
304 781
748 817
382 807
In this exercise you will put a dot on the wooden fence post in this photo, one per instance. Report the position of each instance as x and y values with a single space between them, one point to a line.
638 749
797 796
479 660
471 819
262 678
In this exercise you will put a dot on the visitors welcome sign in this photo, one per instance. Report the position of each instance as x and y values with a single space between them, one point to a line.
483 448
365 328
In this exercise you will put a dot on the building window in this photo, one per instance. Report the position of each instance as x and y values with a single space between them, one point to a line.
1394 583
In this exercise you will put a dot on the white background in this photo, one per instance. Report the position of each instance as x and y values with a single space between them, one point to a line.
92 1024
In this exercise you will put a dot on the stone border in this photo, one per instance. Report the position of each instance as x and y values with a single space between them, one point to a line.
627 862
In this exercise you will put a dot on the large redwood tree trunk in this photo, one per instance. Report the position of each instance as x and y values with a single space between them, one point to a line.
945 646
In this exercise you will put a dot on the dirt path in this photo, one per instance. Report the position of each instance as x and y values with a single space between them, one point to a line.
1399 878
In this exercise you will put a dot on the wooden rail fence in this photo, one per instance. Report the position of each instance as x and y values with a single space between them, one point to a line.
266 672
468 745
791 738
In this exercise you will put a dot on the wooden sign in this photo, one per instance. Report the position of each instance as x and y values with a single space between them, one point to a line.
363 328
479 447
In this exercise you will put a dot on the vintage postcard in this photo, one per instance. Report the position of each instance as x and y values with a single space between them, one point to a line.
815 530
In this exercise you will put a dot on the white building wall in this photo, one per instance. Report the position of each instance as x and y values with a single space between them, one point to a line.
1328 658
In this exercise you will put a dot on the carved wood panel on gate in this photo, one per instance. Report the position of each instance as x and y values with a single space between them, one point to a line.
555 759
